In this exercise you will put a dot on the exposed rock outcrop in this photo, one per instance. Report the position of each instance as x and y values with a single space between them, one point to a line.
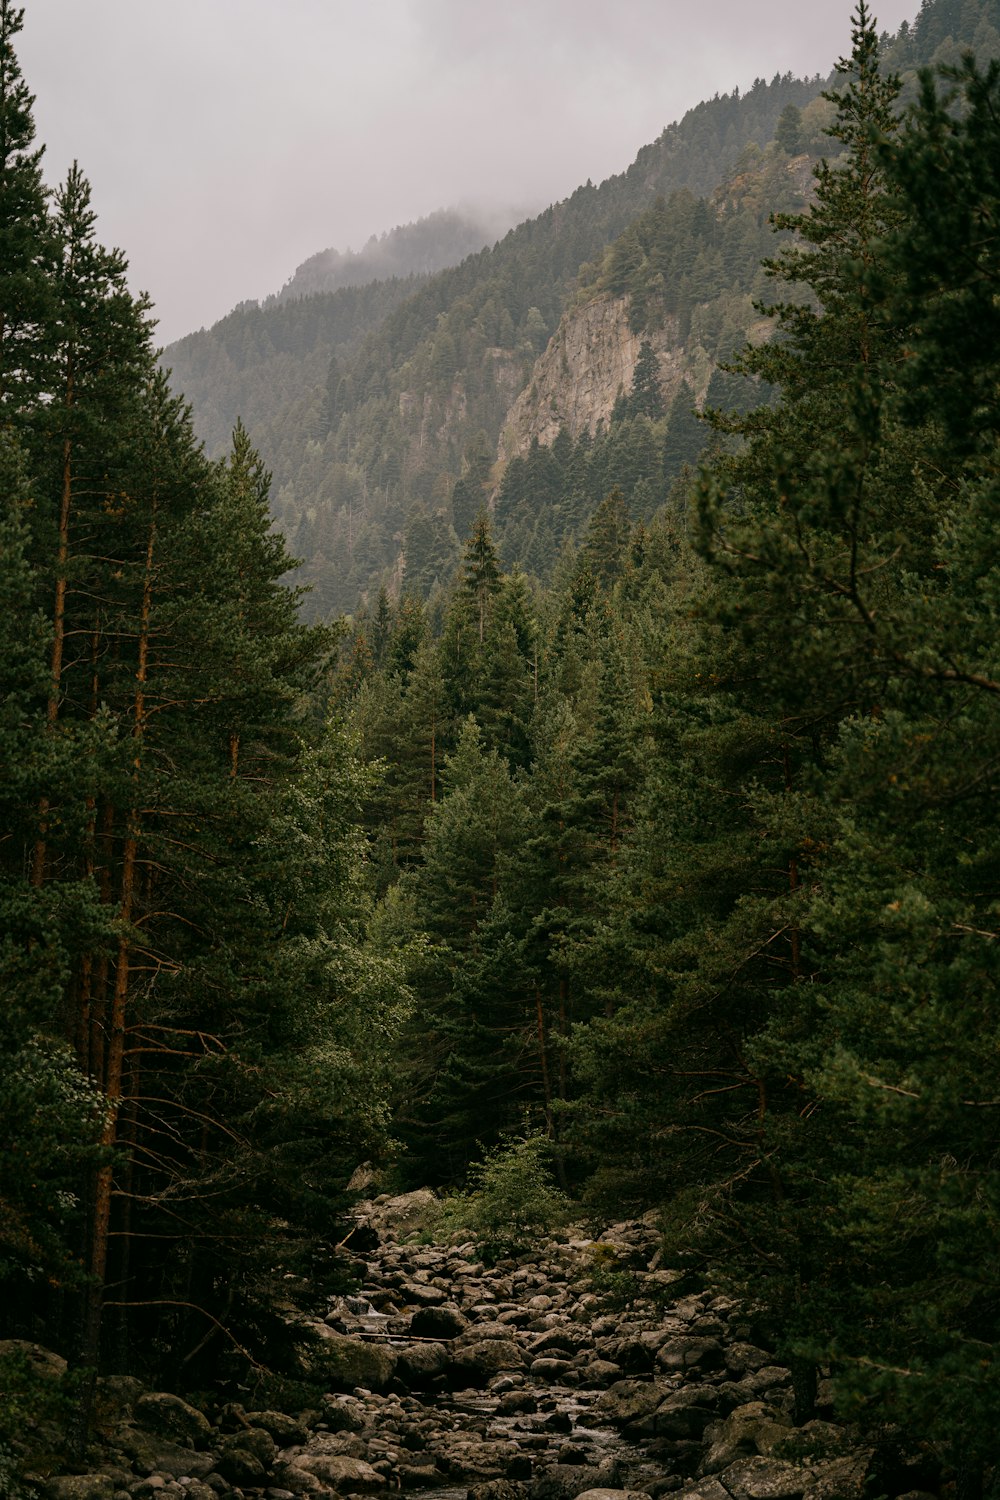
588 363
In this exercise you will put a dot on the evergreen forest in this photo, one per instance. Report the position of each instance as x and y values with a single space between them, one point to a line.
633 794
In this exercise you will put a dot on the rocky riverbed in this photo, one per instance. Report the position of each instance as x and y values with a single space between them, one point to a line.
447 1379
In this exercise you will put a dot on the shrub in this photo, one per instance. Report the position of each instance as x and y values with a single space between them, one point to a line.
511 1201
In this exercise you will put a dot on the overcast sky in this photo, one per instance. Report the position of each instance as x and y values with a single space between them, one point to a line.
227 140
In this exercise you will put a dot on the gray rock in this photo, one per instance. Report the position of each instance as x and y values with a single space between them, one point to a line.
255 1440
477 1363
159 1411
241 1467
79 1486
498 1489
604 1494
151 1454
418 1366
343 1364
752 1429
513 1403
352 1475
399 1216
285 1431
567 1481
550 1369
41 1361
683 1354
760 1478
341 1415
630 1400
840 1479
683 1416
296 1480
445 1322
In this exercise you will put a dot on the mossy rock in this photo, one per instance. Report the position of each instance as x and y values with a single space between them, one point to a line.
343 1364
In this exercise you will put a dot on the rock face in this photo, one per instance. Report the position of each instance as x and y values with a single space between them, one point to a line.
588 363
530 1389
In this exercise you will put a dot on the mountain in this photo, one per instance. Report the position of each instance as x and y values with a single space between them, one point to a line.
389 418
430 244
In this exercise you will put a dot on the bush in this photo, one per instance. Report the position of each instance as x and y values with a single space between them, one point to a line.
511 1202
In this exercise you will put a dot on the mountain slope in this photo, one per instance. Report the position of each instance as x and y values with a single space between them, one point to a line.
372 447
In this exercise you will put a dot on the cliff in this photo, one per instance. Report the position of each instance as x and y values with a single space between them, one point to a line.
587 364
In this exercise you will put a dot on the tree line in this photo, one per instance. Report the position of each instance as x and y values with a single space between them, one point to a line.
193 1032
691 853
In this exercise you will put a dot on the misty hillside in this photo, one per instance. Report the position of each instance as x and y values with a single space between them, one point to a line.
430 244
389 415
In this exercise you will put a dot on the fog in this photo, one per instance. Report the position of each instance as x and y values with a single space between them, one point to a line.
228 140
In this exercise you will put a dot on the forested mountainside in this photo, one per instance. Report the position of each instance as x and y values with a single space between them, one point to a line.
366 457
676 869
430 244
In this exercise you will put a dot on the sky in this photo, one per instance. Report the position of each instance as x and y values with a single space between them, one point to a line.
228 140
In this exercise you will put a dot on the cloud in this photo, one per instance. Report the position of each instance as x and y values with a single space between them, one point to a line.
227 140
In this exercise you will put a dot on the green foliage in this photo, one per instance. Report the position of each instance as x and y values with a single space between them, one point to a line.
511 1202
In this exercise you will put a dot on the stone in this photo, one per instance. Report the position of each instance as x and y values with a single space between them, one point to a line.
350 1475
41 1361
444 1322
255 1440
841 1479
684 1415
152 1454
285 1431
630 1400
598 344
159 1411
340 1415
298 1481
755 1428
517 1402
241 1467
397 1217
420 1366
686 1354
477 1363
761 1478
604 1494
549 1369
343 1364
79 1486
498 1489
567 1481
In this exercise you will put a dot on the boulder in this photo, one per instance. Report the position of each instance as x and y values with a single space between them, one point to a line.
498 1489
630 1400
152 1454
350 1475
752 1429
760 1478
241 1467
40 1361
161 1412
684 1354
343 1364
477 1363
603 1494
420 1366
395 1218
255 1440
567 1481
285 1431
445 1322
684 1416
80 1486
